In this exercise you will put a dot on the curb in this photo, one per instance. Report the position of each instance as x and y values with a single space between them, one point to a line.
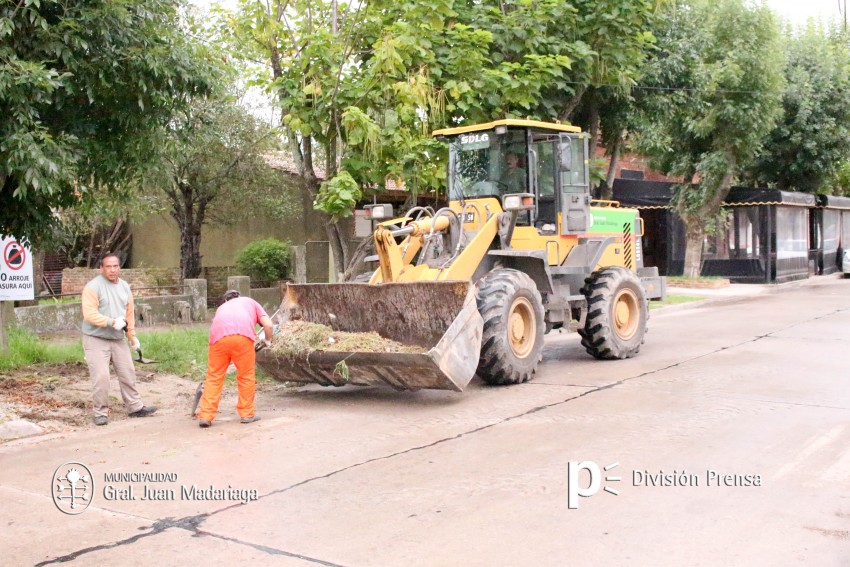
768 289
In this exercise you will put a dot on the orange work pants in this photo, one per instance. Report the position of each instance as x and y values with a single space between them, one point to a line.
240 351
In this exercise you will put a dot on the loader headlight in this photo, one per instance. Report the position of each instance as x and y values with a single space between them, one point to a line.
379 212
518 202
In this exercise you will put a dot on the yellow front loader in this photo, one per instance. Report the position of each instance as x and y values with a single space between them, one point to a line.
518 251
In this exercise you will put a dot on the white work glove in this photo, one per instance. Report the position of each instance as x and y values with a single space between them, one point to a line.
135 344
119 324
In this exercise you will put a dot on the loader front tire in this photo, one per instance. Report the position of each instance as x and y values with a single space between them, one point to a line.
617 313
512 309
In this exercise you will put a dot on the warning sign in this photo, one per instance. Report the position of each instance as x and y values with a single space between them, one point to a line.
16 279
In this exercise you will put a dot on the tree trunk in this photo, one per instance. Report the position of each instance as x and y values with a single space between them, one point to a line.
571 105
303 154
356 266
338 248
189 213
190 251
90 258
593 124
693 247
696 221
38 271
607 191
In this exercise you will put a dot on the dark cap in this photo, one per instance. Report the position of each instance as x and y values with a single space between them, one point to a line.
231 294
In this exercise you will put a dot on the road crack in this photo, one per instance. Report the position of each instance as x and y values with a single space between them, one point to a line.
192 523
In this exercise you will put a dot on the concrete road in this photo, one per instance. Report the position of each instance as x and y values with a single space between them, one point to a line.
731 434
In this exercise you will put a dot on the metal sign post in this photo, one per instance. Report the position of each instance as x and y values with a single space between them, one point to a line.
4 339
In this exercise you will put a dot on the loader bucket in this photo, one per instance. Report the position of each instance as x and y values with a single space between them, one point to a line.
440 317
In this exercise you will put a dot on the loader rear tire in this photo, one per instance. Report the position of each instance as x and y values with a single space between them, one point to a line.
512 343
617 313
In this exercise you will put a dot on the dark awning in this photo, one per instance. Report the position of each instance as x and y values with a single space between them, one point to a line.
761 196
833 202
641 193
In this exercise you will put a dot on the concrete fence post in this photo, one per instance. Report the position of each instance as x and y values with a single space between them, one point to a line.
299 264
242 284
197 289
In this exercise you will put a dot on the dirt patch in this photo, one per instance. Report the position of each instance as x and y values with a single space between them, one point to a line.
57 397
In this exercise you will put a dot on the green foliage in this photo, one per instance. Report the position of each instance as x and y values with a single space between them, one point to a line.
25 348
395 70
82 86
809 144
718 71
265 260
338 196
209 166
839 181
718 81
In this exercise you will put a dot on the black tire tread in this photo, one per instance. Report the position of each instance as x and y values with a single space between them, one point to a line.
597 336
497 365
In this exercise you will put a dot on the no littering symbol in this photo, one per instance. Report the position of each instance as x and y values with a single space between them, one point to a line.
14 255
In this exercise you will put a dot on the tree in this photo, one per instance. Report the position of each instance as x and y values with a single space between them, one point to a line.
718 80
82 86
805 149
209 166
362 85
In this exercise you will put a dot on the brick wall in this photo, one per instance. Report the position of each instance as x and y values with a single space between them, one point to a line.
216 277
635 163
75 279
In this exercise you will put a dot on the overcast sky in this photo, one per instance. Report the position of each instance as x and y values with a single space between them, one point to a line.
798 11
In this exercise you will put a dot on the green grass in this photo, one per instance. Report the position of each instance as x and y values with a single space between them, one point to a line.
673 300
180 351
177 351
183 351
701 279
58 300
25 348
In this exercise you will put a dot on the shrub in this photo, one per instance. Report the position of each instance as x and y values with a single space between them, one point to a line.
265 260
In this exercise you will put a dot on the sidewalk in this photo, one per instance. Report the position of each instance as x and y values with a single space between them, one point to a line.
740 291
749 290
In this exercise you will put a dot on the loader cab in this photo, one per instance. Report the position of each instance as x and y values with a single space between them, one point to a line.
523 156
488 163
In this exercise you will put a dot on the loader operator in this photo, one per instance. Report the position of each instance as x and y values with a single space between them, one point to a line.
514 176
107 315
232 338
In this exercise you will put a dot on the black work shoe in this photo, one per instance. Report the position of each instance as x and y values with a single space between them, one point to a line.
101 420
251 419
204 423
144 412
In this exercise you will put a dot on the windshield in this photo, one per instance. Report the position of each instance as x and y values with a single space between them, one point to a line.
484 164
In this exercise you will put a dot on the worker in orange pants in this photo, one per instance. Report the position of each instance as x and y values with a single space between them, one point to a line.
232 340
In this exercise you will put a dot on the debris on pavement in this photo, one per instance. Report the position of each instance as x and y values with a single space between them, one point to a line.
298 337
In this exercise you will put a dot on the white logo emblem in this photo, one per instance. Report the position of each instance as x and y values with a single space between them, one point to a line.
574 488
73 488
